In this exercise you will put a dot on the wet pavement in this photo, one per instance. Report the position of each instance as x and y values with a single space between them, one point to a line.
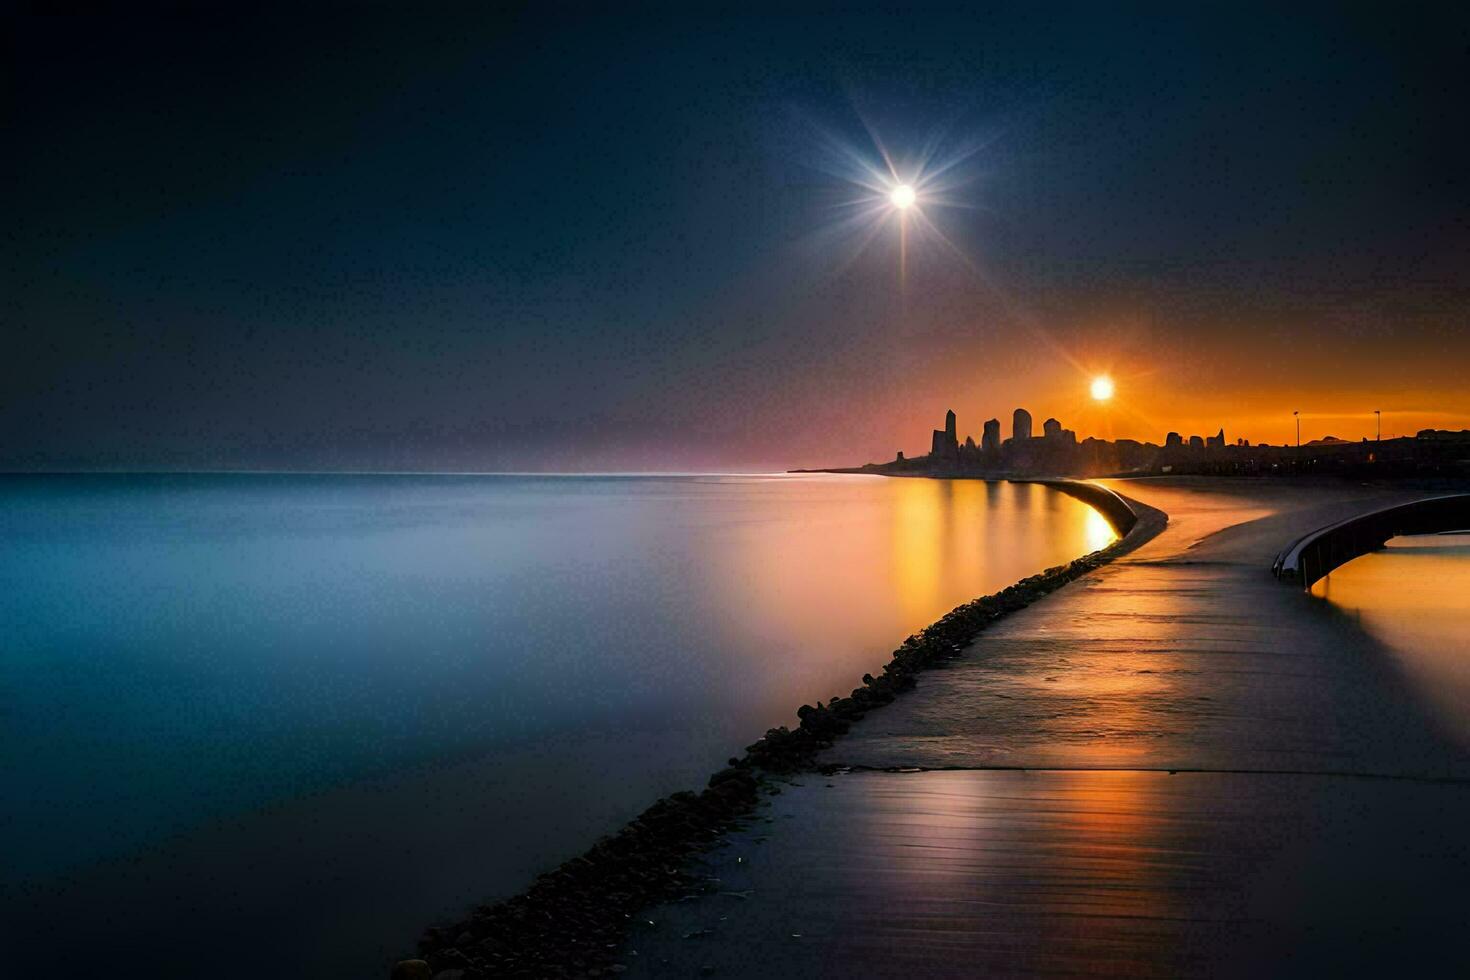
1175 765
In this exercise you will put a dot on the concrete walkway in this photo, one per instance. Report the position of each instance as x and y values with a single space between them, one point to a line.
1175 765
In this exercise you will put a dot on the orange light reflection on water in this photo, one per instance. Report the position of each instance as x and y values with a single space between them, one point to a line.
1099 532
948 532
821 566
1414 596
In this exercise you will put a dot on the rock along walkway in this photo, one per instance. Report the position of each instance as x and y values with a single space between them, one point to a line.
1173 766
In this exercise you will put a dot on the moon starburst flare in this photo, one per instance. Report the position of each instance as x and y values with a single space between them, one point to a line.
895 196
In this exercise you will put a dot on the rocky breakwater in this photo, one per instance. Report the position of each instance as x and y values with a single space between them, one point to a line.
573 920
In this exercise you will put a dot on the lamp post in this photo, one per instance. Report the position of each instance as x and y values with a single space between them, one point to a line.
1298 417
1377 425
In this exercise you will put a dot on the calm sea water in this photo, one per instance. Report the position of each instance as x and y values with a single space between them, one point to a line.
1414 595
299 717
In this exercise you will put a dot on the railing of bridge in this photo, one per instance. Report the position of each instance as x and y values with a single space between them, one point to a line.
1313 555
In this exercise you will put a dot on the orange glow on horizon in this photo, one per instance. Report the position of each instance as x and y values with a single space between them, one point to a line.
889 398
1145 406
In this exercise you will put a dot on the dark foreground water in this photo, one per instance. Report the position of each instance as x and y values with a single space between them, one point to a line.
272 725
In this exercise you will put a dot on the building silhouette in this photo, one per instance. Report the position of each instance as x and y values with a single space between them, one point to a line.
944 443
990 441
1059 453
1020 425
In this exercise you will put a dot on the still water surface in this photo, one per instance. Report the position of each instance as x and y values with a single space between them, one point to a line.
1414 596
336 707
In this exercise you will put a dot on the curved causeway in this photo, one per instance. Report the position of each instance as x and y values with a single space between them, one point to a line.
572 916
1170 766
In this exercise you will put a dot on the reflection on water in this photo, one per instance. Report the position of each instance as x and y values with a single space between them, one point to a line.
1414 595
946 532
185 650
1099 533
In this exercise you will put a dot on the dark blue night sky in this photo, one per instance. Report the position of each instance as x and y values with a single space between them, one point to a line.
536 238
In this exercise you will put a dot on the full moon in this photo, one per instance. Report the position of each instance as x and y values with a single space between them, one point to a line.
902 197
1102 388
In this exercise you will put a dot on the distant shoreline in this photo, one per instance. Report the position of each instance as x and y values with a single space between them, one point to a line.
1057 452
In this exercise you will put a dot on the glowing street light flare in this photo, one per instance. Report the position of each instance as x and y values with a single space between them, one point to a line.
1102 388
902 197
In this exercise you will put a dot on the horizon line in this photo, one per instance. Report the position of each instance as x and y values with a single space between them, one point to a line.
321 472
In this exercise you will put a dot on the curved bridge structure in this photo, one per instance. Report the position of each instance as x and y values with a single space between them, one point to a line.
1313 555
1112 506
